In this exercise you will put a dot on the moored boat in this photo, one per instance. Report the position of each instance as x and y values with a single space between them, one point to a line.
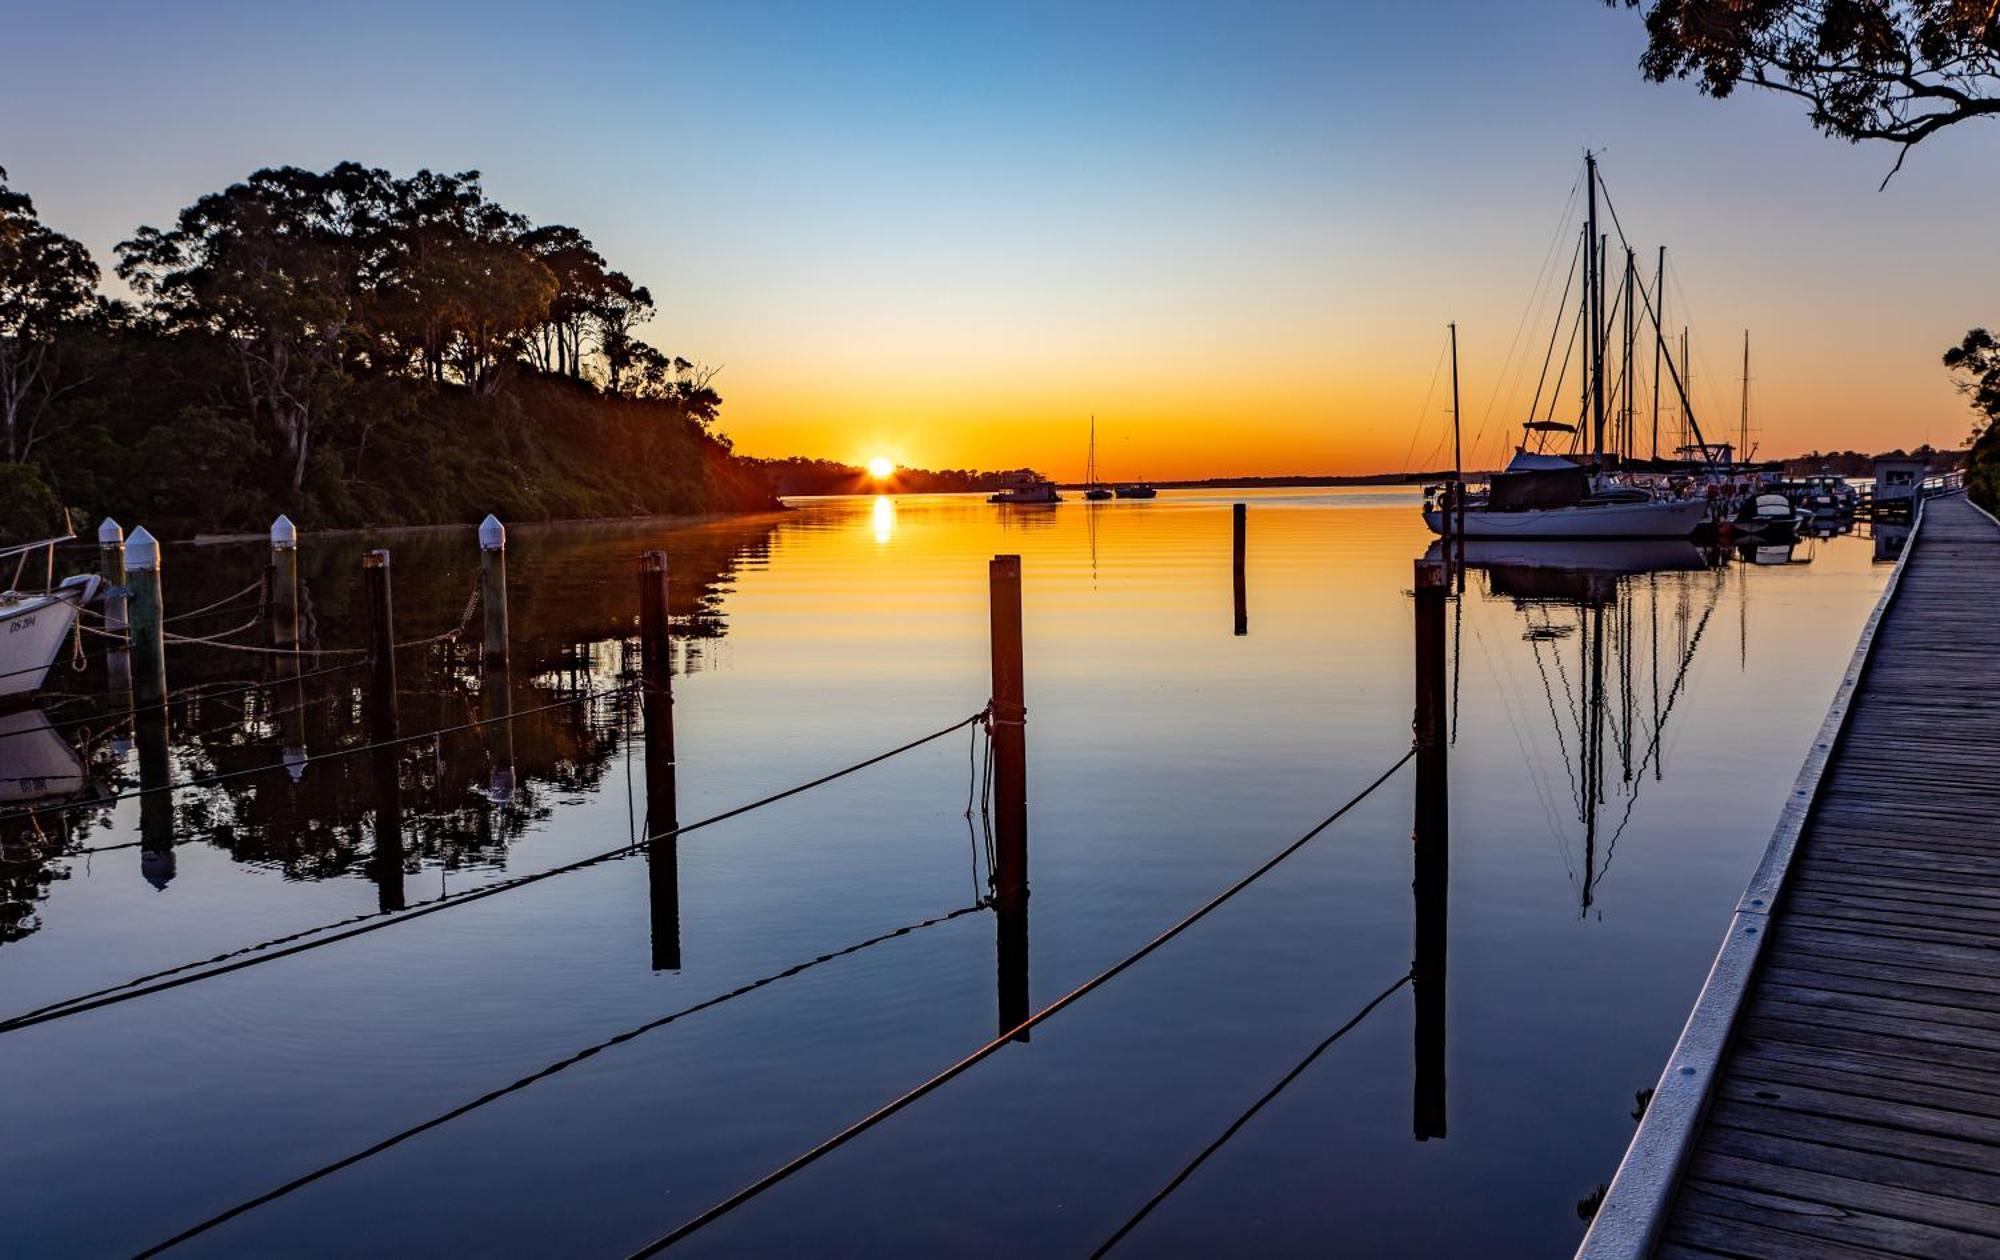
1036 491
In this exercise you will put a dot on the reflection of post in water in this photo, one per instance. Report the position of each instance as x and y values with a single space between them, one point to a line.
1431 853
1593 746
1238 515
387 865
156 803
662 808
1008 731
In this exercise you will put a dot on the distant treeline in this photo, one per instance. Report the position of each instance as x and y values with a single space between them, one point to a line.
1858 464
825 476
349 347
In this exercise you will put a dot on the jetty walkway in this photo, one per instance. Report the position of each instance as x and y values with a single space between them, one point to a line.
1836 1092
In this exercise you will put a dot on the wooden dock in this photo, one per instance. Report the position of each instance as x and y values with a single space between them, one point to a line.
1837 1090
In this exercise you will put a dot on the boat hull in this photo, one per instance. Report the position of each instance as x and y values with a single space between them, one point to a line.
1666 518
31 634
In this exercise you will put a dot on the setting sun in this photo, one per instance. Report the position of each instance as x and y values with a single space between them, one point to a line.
880 467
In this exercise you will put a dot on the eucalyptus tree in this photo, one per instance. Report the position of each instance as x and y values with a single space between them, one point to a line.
1898 71
48 293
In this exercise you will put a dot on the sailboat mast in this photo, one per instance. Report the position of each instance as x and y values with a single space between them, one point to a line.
1457 455
1659 340
1631 330
1594 298
1743 424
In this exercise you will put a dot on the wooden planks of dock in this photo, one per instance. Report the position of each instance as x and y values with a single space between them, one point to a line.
1856 1108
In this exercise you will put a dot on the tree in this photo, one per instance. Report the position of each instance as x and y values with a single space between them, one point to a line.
582 285
1893 70
623 307
271 268
1977 361
48 291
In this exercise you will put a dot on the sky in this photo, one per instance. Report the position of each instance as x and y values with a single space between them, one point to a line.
950 234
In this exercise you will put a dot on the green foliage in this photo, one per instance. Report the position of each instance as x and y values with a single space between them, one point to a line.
1975 362
28 507
1895 70
354 348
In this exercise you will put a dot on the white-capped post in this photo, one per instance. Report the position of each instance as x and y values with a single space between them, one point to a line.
149 645
284 583
493 586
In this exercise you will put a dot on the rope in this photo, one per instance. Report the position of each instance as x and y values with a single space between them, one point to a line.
349 751
1174 1184
464 619
131 989
253 588
326 1170
978 1056
214 640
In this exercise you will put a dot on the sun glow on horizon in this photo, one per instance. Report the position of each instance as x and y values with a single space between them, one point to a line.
881 467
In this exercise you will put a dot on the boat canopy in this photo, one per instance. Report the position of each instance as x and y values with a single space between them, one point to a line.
1525 461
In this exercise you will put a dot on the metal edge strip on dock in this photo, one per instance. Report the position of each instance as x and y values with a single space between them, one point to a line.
1628 1222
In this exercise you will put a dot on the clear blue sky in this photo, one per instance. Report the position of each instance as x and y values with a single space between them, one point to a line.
949 233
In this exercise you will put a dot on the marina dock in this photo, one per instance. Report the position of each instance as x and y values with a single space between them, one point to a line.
1836 1091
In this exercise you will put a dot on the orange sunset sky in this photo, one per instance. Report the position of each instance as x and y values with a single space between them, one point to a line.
949 236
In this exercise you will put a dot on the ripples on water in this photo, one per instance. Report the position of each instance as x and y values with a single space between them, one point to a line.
1168 755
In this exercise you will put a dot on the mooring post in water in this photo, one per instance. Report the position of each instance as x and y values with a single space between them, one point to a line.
1239 514
385 867
493 586
156 802
1007 727
662 807
283 583
148 632
111 568
1431 851
381 643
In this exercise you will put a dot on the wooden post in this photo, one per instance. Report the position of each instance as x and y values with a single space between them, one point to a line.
662 807
381 644
1240 519
1431 852
284 583
493 587
1008 729
111 567
148 633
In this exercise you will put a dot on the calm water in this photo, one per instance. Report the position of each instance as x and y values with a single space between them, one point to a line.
1168 755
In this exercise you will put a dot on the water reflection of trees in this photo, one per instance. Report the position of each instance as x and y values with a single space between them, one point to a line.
461 800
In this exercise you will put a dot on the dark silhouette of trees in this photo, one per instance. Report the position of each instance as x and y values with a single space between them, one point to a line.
1892 70
48 296
1975 361
349 346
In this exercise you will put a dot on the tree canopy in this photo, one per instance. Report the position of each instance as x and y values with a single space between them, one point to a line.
348 345
1893 70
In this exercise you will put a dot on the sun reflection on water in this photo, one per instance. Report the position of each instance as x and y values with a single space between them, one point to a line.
884 518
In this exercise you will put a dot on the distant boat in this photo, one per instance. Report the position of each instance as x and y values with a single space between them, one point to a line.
1036 491
1770 517
1092 490
1135 490
36 625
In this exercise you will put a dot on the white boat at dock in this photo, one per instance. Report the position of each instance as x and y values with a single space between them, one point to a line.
35 626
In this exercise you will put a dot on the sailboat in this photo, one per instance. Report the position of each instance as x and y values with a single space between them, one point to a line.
1091 489
1541 495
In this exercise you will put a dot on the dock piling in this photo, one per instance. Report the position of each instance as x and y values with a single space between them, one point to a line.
381 643
282 578
111 568
148 631
1239 514
1007 728
662 807
1431 851
493 587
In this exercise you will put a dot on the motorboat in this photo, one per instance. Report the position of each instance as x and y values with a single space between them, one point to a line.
35 626
1135 490
1037 490
1771 517
1826 494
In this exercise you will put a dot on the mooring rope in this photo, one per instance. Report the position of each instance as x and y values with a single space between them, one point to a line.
1187 1170
348 929
873 1118
569 1061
